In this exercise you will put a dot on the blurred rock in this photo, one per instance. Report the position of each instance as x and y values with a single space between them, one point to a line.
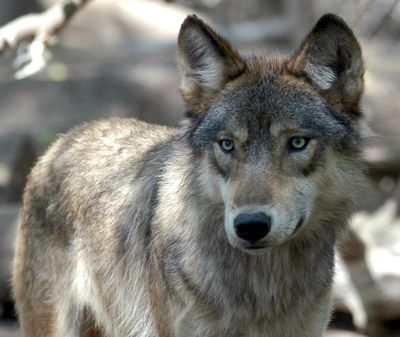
369 287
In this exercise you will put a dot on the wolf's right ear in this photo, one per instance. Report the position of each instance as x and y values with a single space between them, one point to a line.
206 61
330 57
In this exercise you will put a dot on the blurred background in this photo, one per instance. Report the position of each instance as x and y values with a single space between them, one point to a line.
117 58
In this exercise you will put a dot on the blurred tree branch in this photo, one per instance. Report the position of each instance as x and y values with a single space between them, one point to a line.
38 31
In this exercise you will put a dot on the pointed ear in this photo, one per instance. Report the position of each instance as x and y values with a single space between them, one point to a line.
330 58
206 61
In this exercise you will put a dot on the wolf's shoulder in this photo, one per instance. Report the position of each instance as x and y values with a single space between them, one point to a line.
117 128
106 145
107 136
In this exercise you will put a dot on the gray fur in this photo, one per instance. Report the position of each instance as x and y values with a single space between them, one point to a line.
126 227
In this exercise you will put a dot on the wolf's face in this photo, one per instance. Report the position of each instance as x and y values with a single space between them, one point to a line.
278 139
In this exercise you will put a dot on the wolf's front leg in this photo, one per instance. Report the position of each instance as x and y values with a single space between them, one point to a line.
298 322
315 322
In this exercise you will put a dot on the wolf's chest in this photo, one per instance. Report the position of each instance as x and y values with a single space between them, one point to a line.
249 299
250 288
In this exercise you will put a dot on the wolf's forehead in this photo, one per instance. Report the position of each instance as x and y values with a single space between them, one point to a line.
269 106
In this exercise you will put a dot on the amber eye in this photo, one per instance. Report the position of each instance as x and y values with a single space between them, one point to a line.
298 143
226 145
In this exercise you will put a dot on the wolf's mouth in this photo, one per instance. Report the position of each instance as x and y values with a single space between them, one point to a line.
255 247
255 250
298 226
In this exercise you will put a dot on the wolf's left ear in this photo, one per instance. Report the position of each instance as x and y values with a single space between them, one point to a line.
330 57
206 61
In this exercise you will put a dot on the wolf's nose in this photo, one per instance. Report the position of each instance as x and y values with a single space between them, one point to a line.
252 226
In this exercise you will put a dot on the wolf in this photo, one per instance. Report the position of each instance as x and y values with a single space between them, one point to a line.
222 227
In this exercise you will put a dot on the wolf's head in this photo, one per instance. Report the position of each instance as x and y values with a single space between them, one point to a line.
279 139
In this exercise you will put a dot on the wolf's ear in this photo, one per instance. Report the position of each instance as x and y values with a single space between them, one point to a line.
330 57
206 61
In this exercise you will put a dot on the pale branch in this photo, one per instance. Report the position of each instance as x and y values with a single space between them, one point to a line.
38 31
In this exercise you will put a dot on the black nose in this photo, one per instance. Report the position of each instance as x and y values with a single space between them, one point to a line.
252 226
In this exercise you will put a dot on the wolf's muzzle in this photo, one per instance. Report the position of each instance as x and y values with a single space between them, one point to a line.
252 226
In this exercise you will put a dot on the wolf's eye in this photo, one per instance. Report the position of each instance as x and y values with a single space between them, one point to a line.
298 143
226 145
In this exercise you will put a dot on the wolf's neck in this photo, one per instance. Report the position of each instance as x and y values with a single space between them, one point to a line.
259 286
